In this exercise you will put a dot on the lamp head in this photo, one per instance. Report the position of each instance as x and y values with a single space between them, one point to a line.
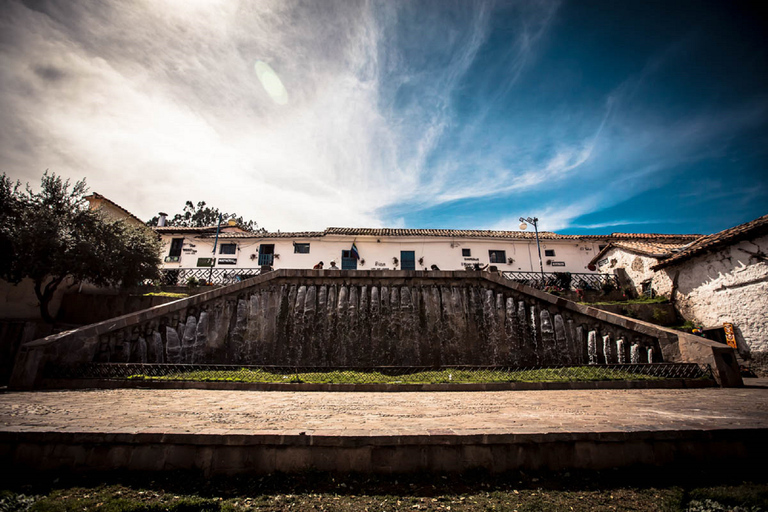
523 226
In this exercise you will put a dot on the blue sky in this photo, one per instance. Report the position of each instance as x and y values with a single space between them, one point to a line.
594 116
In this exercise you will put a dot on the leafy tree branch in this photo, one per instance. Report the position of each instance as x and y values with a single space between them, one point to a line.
51 235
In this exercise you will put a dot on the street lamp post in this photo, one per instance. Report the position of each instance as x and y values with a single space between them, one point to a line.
524 226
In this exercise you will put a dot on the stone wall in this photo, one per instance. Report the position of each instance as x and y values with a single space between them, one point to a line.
638 269
337 318
729 285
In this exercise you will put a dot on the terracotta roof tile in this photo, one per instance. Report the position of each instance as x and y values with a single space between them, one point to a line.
287 234
658 249
449 233
446 233
660 236
183 229
723 238
106 199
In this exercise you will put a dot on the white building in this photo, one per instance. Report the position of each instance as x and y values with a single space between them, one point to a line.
384 248
715 280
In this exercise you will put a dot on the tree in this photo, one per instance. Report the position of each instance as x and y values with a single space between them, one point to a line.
52 234
200 216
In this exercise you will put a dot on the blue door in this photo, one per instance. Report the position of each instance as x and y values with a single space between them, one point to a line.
266 254
407 260
348 262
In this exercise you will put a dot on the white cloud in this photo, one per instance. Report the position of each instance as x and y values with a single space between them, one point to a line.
157 102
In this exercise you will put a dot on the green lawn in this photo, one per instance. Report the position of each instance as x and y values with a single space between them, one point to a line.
448 376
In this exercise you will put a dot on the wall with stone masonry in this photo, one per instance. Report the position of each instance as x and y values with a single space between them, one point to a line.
728 285
638 269
333 318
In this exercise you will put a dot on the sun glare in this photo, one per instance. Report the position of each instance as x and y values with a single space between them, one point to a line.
271 82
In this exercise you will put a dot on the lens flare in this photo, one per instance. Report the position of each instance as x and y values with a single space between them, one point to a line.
271 82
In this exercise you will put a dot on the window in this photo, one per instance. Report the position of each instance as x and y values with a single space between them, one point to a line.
549 252
601 247
176 245
228 249
466 253
647 287
497 256
174 255
301 248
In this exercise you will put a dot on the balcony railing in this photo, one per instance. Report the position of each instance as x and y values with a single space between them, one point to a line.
203 276
565 280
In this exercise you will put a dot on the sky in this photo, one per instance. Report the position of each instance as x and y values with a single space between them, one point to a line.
595 117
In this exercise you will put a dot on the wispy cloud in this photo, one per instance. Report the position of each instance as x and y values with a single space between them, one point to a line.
159 102
391 107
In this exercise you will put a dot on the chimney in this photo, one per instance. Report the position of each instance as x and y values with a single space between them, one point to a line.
161 220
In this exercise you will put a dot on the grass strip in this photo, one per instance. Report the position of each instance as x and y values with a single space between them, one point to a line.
446 376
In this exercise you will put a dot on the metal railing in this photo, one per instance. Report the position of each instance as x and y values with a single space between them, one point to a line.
381 374
203 276
565 280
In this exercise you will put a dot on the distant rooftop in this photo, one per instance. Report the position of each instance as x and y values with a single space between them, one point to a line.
720 239
227 232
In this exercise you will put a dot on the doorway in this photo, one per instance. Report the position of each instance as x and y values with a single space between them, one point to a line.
348 261
407 260
266 254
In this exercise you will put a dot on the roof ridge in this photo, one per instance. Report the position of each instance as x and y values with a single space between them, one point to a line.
721 238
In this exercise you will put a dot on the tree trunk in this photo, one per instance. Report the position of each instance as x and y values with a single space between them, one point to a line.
45 294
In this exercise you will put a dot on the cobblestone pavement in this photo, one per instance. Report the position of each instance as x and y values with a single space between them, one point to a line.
406 413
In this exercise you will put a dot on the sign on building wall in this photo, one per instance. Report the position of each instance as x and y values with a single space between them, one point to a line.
730 337
205 262
227 261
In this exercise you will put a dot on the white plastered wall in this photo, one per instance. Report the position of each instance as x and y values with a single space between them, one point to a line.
379 252
729 285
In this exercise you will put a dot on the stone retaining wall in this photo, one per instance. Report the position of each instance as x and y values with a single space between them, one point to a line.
359 318
264 454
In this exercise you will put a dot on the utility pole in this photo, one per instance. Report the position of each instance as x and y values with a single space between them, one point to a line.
216 241
524 226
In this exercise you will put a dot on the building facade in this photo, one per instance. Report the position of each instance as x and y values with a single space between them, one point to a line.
377 249
715 281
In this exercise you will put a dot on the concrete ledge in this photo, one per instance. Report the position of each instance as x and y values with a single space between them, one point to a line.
41 449
388 388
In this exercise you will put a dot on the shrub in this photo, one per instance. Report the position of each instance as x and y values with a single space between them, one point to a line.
564 280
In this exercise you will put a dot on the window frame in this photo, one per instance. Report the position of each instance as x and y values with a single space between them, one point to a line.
466 253
493 256
176 251
228 245
296 246
549 253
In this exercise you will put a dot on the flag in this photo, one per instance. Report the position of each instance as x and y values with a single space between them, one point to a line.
354 252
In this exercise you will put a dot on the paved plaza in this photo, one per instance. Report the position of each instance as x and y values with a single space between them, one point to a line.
362 414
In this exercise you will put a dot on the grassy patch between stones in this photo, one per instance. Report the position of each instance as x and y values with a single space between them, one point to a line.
585 492
446 376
